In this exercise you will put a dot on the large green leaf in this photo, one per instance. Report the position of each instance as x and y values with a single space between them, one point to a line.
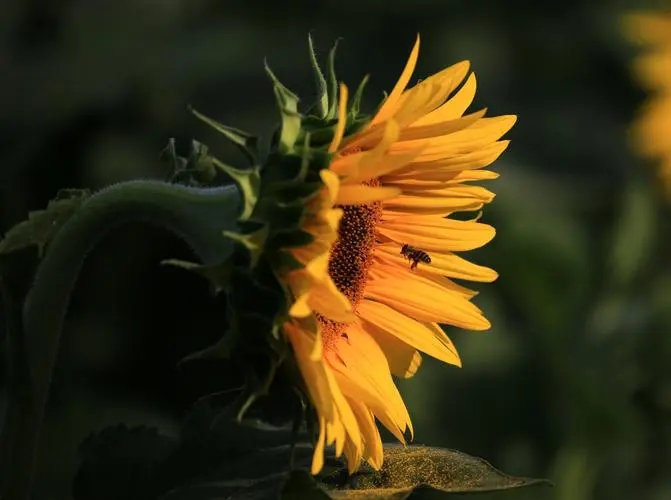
411 472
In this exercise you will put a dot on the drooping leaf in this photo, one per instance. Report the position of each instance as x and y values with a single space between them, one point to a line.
423 468
414 472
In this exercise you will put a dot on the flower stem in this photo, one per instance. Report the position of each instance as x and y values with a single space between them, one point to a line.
197 215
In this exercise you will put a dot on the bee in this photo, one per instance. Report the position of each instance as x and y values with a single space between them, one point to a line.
415 255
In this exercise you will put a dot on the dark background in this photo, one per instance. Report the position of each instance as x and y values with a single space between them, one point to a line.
573 382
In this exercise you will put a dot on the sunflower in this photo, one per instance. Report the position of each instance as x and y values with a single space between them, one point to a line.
651 132
362 311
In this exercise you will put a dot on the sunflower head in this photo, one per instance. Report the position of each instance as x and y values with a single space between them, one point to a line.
346 253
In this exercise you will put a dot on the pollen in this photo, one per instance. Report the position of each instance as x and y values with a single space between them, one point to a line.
351 258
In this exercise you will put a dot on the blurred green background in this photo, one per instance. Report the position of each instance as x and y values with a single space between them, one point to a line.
573 382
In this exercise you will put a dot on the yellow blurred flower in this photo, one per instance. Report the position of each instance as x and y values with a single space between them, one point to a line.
362 310
651 132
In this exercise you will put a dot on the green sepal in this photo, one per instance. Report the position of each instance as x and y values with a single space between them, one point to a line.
257 386
291 118
333 82
253 242
356 98
282 218
321 131
256 292
281 169
320 81
297 194
290 239
286 262
247 142
249 183
218 275
221 349
354 126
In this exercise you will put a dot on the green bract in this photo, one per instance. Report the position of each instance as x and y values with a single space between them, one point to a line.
276 193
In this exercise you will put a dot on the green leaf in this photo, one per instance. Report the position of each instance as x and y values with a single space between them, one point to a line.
248 143
414 472
422 468
42 225
320 81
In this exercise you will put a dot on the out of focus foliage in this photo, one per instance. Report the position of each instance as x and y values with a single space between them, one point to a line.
572 383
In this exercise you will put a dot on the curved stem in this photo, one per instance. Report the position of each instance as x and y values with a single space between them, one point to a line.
196 215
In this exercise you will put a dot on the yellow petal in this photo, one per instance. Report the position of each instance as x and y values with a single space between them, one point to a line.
426 337
653 69
360 163
455 106
417 102
313 372
443 168
342 120
363 195
327 300
389 106
652 130
430 93
332 184
318 455
373 451
648 28
440 129
363 364
408 184
323 389
443 264
403 359
481 134
437 234
426 301
441 202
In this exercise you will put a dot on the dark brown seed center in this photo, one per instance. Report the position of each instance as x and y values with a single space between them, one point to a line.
351 258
